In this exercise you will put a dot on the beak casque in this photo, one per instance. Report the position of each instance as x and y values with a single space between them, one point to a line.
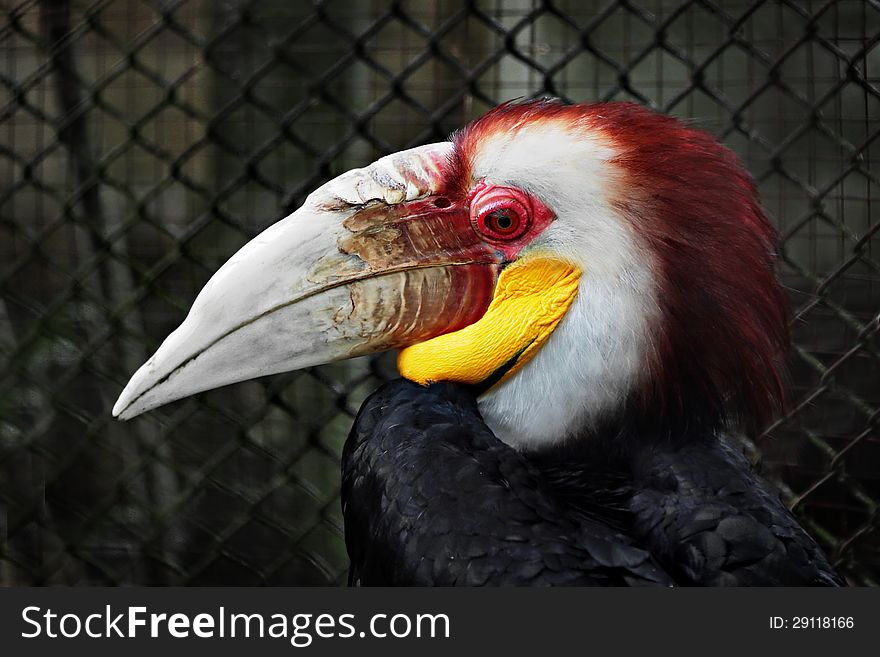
375 259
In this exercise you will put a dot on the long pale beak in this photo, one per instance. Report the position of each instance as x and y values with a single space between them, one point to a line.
377 258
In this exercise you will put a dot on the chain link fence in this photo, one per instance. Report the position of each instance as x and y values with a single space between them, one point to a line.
142 142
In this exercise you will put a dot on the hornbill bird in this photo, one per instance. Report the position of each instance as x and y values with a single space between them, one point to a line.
586 310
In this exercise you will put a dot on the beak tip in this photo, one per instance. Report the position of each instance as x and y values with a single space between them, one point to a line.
131 400
121 409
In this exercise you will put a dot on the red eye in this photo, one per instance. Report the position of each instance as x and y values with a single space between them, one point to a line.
504 220
499 214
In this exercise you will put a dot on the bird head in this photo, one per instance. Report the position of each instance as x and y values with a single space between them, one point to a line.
575 264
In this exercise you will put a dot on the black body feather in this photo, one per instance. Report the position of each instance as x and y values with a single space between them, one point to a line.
431 497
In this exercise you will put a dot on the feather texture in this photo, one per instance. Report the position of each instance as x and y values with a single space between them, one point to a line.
432 497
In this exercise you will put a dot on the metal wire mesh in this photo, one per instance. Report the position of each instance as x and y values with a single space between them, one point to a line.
141 143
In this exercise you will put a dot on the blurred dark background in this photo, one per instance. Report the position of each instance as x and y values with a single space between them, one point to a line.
141 143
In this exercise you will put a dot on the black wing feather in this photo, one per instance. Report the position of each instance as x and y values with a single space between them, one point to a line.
711 521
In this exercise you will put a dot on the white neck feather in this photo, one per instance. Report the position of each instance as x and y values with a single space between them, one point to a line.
584 372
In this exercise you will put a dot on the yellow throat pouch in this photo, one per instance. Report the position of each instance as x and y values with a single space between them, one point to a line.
531 297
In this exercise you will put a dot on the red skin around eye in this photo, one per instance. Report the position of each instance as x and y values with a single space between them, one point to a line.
534 216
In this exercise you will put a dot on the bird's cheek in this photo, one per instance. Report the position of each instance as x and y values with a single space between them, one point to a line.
531 298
